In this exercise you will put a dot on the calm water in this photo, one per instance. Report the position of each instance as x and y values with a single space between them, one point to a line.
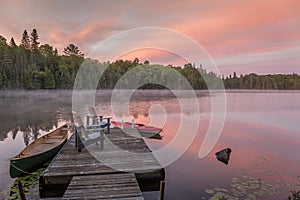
261 128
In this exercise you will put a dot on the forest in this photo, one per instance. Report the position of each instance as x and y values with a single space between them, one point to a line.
31 65
263 82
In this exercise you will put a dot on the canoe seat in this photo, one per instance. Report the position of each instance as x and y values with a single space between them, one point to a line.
57 137
50 142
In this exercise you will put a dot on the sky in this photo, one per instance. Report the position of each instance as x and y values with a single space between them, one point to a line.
245 36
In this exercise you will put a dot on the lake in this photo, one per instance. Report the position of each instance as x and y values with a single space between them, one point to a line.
261 128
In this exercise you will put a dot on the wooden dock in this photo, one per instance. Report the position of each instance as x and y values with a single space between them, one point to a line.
111 186
94 161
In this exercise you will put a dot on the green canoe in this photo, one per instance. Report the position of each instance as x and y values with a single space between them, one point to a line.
38 152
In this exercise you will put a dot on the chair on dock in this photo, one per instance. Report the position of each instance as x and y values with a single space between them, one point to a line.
97 119
87 135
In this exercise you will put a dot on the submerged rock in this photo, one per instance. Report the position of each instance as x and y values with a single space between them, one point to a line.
223 155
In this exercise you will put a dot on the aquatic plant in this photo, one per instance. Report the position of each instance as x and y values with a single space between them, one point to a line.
29 183
261 180
295 195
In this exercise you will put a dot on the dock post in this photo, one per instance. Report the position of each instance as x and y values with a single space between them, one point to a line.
162 190
108 125
88 120
21 191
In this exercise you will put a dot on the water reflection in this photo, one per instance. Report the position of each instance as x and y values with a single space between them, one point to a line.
261 128
261 154
29 112
142 101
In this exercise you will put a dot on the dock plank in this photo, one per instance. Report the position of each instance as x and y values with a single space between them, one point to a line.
112 159
112 186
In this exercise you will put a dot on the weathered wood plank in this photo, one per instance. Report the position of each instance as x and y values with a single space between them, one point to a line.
113 159
113 186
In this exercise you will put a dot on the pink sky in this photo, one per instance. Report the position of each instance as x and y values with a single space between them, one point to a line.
261 36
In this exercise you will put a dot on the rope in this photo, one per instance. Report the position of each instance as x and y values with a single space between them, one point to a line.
21 170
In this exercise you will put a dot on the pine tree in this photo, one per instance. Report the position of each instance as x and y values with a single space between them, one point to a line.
25 42
24 58
35 57
34 40
2 40
14 70
12 43
234 75
72 50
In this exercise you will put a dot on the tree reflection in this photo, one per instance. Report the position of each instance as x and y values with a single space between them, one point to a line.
30 112
30 131
14 133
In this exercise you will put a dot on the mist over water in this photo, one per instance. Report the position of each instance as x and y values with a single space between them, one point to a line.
261 128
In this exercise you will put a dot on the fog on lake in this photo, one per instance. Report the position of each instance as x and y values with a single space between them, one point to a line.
261 128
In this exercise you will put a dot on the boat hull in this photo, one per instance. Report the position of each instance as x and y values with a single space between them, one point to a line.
150 134
22 166
145 131
38 152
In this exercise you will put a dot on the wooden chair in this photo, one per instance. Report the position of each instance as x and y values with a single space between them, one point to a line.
87 135
97 119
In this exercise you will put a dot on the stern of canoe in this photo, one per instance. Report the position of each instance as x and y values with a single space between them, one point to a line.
150 133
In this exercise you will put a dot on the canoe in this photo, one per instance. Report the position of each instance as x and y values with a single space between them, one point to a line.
144 130
38 152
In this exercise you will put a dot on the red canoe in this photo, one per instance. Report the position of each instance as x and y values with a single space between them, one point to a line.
144 130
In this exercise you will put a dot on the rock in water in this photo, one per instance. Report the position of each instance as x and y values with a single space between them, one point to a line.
223 155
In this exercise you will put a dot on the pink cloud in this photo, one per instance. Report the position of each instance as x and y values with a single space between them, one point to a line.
155 56
225 29
239 26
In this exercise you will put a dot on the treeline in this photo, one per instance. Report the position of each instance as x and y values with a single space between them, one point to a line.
34 66
126 74
263 82
154 76
30 65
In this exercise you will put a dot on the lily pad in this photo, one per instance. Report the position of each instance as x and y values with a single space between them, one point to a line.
208 191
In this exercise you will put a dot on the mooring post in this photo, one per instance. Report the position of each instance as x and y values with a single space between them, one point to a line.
87 120
162 190
21 191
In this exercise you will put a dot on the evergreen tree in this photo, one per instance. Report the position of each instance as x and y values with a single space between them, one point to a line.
46 50
9 61
34 40
25 42
2 40
24 59
30 66
35 56
12 43
72 50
